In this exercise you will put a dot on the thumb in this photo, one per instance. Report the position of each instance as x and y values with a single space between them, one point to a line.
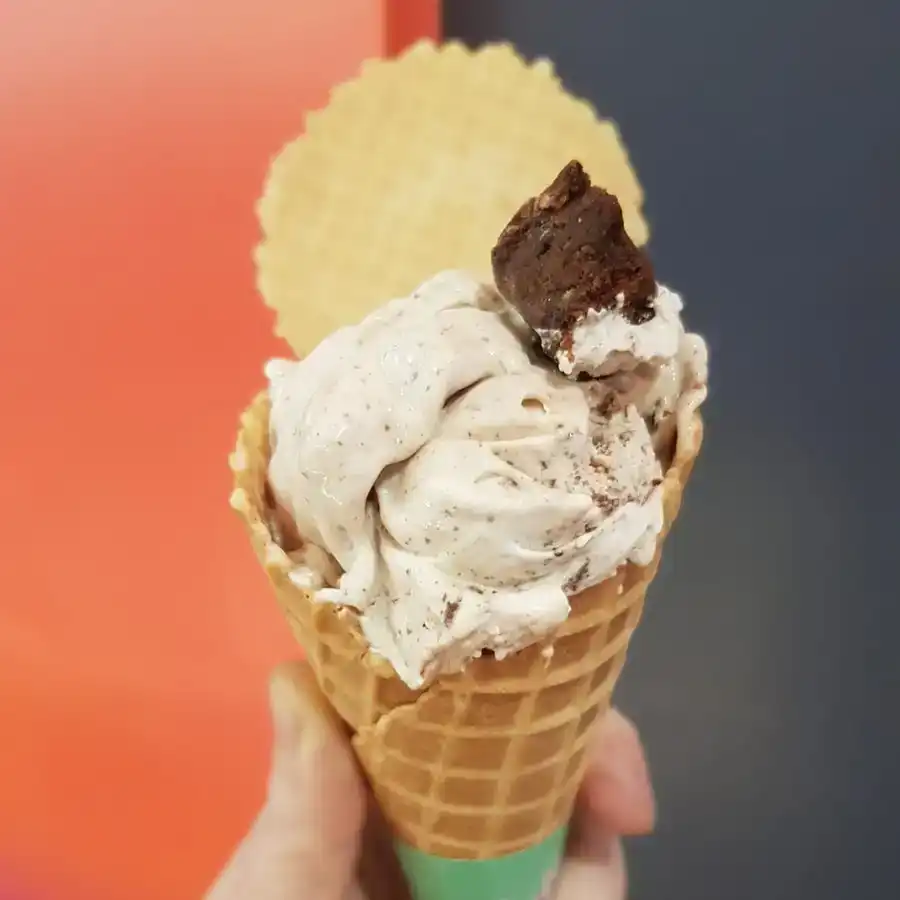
305 841
314 787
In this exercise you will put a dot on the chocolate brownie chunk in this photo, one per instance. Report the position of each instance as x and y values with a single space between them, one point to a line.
567 251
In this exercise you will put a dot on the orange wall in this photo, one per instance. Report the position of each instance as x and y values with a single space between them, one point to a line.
135 630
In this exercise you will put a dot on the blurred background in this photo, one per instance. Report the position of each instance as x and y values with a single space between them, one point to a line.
135 630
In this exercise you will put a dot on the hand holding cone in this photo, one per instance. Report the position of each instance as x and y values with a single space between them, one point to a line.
312 838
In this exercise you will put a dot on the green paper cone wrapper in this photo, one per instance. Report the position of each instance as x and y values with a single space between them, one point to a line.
527 875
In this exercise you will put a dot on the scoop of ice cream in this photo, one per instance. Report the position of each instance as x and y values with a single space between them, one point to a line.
676 392
464 487
566 263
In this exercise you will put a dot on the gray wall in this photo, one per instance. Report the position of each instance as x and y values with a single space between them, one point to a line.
765 677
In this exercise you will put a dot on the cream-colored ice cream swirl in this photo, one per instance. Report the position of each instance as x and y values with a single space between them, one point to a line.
653 363
464 488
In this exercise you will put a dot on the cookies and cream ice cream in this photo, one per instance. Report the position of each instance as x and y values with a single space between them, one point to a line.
461 486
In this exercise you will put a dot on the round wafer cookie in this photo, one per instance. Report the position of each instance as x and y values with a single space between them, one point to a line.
414 167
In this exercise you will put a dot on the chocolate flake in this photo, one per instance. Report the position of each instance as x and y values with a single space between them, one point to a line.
573 585
450 611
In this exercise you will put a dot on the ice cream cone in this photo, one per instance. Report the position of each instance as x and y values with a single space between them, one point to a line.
483 765
413 168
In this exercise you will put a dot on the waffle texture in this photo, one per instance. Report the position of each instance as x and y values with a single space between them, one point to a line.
414 167
486 762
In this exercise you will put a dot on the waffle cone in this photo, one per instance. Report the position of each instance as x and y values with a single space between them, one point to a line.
414 167
483 763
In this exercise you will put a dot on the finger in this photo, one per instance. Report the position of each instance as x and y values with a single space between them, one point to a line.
305 841
314 785
616 792
600 876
